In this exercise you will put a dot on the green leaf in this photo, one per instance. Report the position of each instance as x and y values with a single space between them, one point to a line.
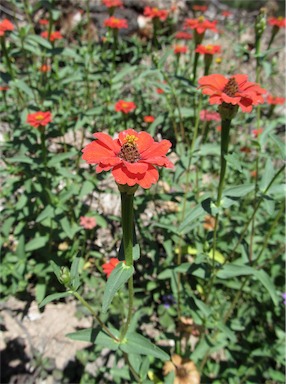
88 335
40 291
191 219
48 212
127 70
54 296
70 229
233 160
56 269
105 341
231 270
36 243
74 272
56 159
267 283
239 190
116 280
40 40
22 86
20 159
267 175
139 345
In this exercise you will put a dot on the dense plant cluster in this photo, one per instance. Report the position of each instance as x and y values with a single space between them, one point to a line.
184 124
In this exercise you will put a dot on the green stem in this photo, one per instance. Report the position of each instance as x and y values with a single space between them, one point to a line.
7 59
91 310
196 59
127 219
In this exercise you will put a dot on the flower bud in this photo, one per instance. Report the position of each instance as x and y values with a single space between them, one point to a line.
260 23
65 277
227 111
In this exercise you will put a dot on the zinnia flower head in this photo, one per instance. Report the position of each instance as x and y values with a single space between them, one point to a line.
178 49
208 49
39 118
149 119
181 35
279 22
161 14
257 132
226 13
209 115
124 106
43 22
56 35
235 91
274 100
112 3
5 25
201 8
185 370
200 25
115 23
4 88
132 157
109 267
87 222
45 68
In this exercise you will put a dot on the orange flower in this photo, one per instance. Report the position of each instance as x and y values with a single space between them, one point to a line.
87 222
279 22
209 115
45 68
161 14
160 91
178 49
257 132
43 22
39 118
226 13
149 119
114 23
53 36
181 35
185 370
5 25
235 91
112 3
124 106
109 267
201 8
275 100
200 25
4 88
208 49
131 157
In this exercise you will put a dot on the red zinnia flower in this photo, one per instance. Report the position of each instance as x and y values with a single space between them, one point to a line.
149 119
53 36
275 100
39 118
181 35
226 13
43 22
257 132
4 88
178 49
131 157
112 3
279 22
5 25
113 22
161 14
87 222
209 115
236 91
208 49
45 68
160 91
201 8
124 106
109 267
200 24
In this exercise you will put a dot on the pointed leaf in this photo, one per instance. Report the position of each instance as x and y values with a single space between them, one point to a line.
116 280
138 344
54 296
88 334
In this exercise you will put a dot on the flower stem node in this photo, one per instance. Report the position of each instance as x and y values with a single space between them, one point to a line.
65 277
124 188
227 111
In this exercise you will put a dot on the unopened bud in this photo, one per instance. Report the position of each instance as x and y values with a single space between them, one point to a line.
65 277
260 23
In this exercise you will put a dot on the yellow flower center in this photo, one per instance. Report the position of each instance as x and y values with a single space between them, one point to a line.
129 151
231 87
218 60
209 47
39 117
280 18
201 19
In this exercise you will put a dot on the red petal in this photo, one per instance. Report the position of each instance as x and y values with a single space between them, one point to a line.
136 167
128 132
160 161
123 176
215 81
96 151
107 141
157 149
144 141
230 100
101 167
